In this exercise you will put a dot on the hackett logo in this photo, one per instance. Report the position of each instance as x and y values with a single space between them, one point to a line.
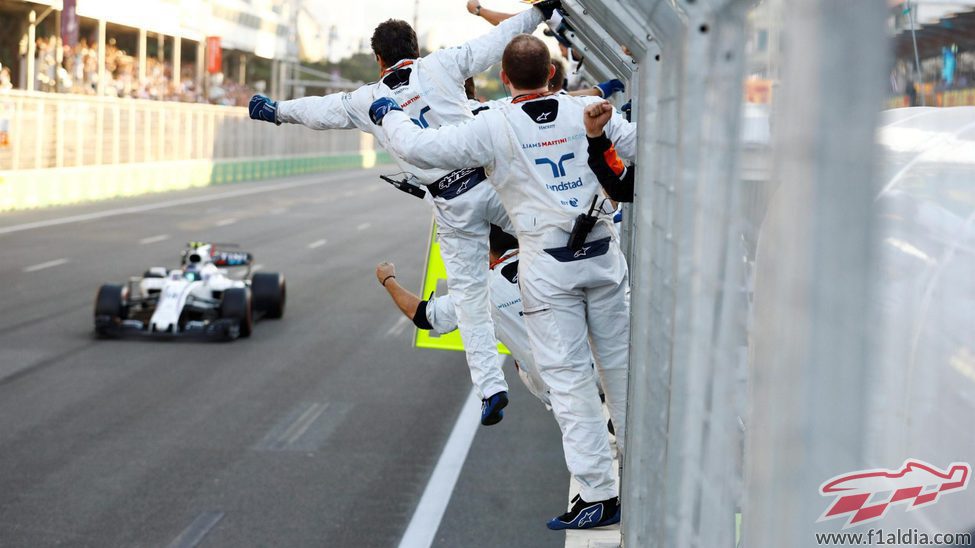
866 495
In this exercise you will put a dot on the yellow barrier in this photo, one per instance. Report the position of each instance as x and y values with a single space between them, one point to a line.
436 275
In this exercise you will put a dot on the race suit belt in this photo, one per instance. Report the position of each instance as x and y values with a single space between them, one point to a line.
594 248
457 182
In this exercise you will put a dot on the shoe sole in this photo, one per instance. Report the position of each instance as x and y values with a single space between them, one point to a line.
497 415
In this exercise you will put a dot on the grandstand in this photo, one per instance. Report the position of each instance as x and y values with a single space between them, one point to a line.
209 51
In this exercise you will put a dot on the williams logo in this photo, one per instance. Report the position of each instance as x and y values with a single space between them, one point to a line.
558 168
866 495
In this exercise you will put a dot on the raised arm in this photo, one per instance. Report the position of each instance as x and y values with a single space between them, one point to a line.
336 111
406 301
449 147
615 178
622 133
436 314
477 55
328 112
474 7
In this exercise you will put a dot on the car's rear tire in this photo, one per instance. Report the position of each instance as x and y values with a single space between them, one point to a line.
236 305
270 294
110 308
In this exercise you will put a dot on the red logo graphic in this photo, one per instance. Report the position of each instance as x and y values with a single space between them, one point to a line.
917 484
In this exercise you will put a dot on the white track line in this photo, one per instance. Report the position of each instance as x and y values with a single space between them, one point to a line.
275 187
154 239
317 244
49 264
398 327
363 226
226 222
426 519
193 535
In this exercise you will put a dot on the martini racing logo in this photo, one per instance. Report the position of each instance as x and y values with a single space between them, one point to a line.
865 496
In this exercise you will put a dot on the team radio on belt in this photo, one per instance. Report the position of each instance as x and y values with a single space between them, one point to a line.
524 207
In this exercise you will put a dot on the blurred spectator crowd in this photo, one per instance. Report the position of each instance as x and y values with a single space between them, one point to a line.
78 73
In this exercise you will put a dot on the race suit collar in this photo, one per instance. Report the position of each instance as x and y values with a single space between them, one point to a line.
400 64
503 259
529 97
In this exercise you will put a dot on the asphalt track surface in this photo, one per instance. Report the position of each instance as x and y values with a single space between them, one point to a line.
322 429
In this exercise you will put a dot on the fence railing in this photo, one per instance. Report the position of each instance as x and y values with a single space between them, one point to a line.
46 130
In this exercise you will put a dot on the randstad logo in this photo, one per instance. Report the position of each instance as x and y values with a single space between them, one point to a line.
565 185
558 168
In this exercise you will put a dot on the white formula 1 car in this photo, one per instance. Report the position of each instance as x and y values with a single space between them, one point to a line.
212 294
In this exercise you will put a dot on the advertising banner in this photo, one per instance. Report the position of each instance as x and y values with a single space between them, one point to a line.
214 55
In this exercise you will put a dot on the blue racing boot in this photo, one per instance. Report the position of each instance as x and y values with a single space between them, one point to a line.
586 515
492 409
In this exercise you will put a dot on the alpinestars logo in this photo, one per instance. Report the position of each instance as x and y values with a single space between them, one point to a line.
589 516
582 252
543 117
866 495
455 176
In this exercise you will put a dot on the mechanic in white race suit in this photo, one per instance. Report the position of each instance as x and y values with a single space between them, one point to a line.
535 152
439 315
431 90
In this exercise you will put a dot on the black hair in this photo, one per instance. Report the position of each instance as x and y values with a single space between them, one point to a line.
394 40
501 241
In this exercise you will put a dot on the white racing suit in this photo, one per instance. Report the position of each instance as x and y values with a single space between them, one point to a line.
535 152
507 312
431 92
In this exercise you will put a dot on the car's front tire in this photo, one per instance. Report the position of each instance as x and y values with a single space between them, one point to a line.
236 305
110 308
270 292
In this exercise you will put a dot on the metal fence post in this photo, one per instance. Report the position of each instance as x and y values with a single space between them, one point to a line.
639 464
102 41
679 485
